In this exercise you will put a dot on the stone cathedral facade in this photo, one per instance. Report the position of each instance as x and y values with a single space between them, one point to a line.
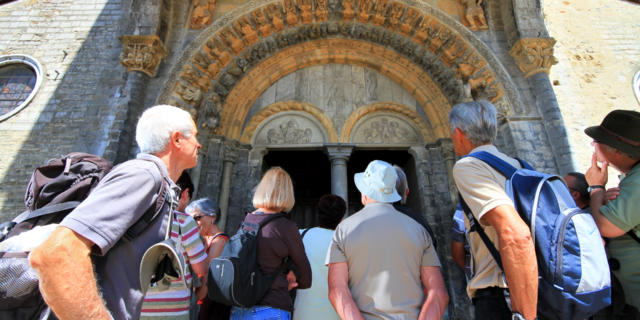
319 87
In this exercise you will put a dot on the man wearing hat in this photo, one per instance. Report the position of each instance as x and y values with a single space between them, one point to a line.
617 143
382 263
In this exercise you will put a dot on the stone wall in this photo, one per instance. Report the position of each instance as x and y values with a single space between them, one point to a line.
79 105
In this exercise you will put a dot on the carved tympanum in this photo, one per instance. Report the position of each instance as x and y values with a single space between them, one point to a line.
385 130
142 53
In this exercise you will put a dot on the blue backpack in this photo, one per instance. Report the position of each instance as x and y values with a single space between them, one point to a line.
573 271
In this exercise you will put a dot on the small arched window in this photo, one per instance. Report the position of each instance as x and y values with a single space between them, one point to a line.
20 77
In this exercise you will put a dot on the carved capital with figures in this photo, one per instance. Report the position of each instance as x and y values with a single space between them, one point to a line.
142 53
534 55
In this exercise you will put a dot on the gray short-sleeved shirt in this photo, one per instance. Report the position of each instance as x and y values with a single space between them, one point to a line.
119 200
384 250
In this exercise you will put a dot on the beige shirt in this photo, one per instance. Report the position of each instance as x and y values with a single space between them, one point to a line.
384 250
482 188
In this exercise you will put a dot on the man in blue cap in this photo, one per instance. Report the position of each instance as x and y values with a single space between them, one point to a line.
617 143
382 263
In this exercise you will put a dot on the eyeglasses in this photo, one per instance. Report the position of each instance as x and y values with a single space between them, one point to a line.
197 218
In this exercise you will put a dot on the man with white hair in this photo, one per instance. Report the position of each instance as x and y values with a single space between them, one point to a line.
382 264
91 235
474 128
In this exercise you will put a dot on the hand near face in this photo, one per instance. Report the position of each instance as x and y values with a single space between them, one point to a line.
596 175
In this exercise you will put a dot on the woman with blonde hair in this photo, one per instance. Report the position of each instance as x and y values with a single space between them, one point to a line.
279 239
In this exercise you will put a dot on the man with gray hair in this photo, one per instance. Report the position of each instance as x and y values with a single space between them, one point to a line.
91 235
474 128
382 264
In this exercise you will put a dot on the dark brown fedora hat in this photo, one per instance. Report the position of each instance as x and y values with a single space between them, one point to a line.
619 129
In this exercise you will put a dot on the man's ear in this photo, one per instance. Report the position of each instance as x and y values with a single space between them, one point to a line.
175 138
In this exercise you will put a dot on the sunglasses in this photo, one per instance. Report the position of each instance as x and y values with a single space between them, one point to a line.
197 218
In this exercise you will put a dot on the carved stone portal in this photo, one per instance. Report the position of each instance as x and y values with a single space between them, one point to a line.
288 129
384 129
142 53
534 55
473 15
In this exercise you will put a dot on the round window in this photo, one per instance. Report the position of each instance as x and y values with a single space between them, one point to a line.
20 78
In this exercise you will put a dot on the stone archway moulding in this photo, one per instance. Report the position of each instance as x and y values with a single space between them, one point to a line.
284 106
226 53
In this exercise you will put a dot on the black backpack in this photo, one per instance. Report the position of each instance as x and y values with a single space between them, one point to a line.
53 191
236 279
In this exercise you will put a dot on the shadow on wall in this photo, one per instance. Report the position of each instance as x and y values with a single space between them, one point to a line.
88 106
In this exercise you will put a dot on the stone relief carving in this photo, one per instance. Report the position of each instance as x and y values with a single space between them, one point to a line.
289 133
142 53
202 13
244 27
473 16
348 10
262 23
290 13
380 12
385 130
409 22
274 13
285 129
364 7
321 10
534 55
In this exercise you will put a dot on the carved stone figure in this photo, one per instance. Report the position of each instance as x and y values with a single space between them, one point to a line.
305 11
321 10
202 13
380 12
189 94
348 9
264 27
274 13
425 30
364 9
397 9
387 131
232 40
534 55
474 15
410 20
217 51
289 133
243 26
454 51
290 14
142 53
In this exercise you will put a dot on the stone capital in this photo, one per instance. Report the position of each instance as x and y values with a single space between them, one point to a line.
534 55
339 151
230 149
142 53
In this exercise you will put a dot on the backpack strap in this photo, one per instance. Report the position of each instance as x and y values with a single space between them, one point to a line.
58 207
633 236
500 165
474 225
152 212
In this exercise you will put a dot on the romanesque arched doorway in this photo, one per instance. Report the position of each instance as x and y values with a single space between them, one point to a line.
332 83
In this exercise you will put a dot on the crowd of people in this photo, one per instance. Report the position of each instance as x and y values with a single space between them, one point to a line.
378 263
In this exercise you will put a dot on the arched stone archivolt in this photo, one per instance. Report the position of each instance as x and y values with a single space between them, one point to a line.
279 107
422 130
239 43
387 62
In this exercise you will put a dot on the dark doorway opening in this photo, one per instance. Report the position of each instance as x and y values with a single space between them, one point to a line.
358 163
310 171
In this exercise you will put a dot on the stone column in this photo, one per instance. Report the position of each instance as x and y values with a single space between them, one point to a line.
339 155
142 54
229 159
534 57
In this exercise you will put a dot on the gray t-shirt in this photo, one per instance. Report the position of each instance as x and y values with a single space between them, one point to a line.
118 202
384 250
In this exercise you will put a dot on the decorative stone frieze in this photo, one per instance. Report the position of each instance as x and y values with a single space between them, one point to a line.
534 55
142 53
202 13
